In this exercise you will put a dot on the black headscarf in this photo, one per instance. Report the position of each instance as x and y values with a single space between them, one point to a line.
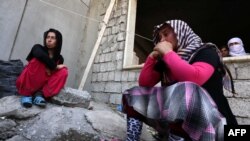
57 52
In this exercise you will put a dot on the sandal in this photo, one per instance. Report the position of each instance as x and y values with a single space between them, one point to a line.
26 101
39 100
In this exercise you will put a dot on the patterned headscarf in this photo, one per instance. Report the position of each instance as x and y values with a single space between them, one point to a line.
188 44
188 41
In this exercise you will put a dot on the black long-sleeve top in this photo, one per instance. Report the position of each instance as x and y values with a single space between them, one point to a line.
41 53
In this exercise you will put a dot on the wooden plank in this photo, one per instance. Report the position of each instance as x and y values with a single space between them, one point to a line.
130 34
97 44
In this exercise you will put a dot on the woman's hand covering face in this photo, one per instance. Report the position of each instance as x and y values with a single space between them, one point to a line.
163 47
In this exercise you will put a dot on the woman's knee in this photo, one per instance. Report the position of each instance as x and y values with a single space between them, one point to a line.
63 72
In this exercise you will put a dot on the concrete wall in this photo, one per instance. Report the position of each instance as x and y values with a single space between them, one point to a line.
240 102
23 22
109 79
96 14
11 12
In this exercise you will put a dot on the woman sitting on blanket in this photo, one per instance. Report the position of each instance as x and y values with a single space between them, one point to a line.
191 104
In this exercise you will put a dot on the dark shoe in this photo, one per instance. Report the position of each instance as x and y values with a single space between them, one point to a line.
39 100
173 137
159 137
26 101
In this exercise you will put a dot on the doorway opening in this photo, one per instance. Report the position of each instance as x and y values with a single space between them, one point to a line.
214 21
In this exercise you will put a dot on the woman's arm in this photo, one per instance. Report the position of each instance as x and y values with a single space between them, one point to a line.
39 53
148 76
198 72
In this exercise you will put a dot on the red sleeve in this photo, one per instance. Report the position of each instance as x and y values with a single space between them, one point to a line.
198 72
148 76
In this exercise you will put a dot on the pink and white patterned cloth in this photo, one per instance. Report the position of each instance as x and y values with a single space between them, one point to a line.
183 101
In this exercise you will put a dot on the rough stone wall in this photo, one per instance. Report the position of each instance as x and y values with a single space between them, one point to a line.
240 103
109 80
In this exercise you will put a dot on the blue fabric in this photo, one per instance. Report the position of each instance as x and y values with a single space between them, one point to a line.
39 100
26 101
134 127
